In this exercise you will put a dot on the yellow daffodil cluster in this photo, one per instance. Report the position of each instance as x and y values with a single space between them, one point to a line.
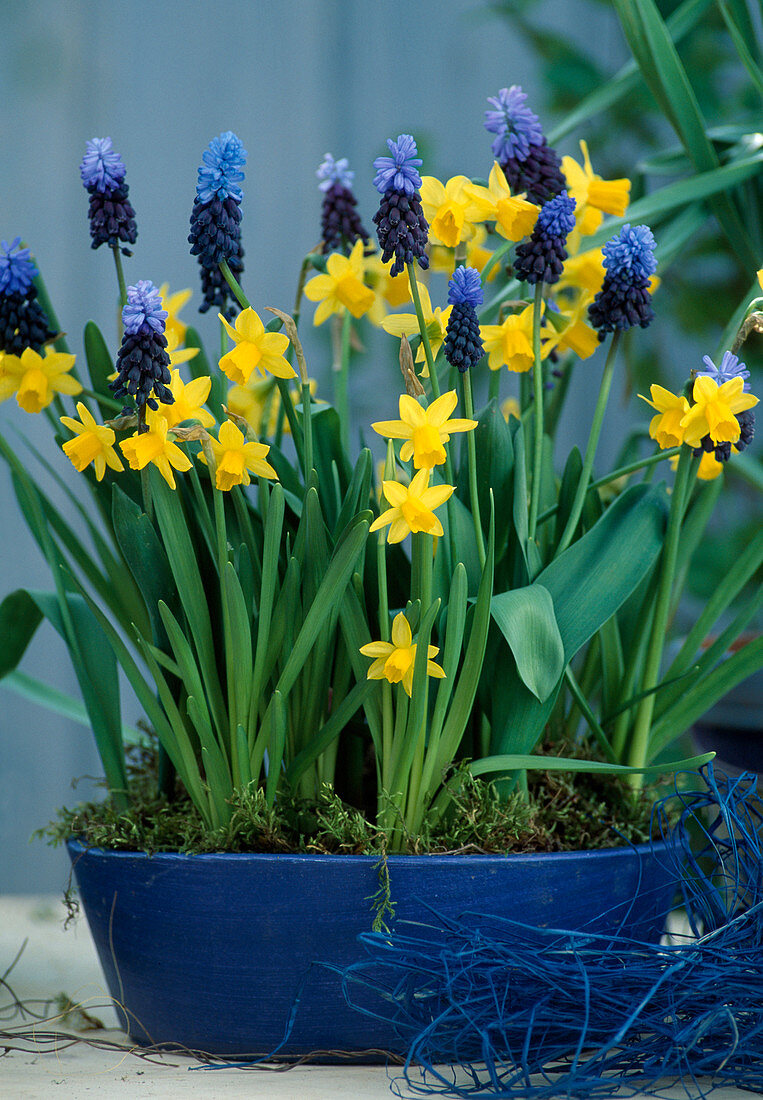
36 380
713 412
394 661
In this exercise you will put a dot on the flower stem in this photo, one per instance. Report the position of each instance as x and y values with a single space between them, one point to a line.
120 275
590 454
494 387
537 413
471 451
639 744
234 284
342 378
423 330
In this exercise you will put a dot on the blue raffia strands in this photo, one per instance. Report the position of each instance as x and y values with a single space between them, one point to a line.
526 1013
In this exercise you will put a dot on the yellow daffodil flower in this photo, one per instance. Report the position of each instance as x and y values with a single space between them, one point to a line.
92 443
36 380
412 507
592 194
406 324
510 407
154 446
236 458
395 660
425 431
445 207
189 398
395 292
342 287
666 427
256 349
513 215
444 259
576 335
511 343
583 271
174 328
713 411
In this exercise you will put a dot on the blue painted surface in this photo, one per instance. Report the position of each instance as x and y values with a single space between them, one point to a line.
211 951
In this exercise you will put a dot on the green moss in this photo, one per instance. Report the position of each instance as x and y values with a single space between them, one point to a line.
562 812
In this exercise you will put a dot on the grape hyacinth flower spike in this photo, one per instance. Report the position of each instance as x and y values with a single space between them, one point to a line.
400 223
542 257
112 218
463 343
341 226
216 220
23 323
142 360
528 161
624 299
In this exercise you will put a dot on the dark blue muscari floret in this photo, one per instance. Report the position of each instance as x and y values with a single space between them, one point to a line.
542 257
142 360
341 226
216 218
624 299
401 226
23 323
528 161
112 218
516 127
463 343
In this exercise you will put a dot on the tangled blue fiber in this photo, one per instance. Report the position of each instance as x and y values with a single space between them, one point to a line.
519 1012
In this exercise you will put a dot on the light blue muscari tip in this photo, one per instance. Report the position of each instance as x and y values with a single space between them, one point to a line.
465 286
629 256
222 169
102 169
143 312
399 172
730 368
557 216
516 127
334 171
17 268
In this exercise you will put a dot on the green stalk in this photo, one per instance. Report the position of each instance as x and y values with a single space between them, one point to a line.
423 330
466 397
639 746
621 471
538 414
496 258
120 275
340 391
222 561
234 284
494 386
424 552
590 454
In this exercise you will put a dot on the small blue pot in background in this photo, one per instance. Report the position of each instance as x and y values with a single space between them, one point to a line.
213 952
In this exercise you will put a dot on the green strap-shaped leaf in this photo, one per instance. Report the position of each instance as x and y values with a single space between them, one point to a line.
100 363
526 619
20 616
516 761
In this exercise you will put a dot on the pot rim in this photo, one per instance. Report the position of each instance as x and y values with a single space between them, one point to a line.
77 849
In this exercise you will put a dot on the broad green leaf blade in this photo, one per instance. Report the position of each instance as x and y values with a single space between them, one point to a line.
20 616
526 619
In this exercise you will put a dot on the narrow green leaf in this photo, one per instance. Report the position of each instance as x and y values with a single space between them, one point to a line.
511 762
36 691
100 364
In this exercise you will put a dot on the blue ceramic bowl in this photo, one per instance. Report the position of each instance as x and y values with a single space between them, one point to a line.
212 951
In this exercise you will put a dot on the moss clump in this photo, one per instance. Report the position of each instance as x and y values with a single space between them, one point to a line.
563 812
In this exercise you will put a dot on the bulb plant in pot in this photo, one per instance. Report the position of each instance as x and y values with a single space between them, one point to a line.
345 673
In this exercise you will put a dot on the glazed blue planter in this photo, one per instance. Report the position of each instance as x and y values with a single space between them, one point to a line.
212 951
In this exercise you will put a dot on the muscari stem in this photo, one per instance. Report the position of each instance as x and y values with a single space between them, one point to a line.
537 412
423 330
590 454
471 451
120 275
342 378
